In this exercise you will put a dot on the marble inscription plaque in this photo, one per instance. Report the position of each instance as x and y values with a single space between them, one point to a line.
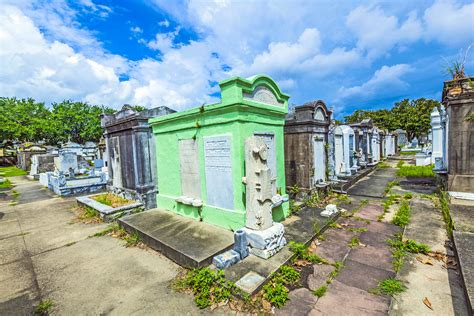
218 166
190 177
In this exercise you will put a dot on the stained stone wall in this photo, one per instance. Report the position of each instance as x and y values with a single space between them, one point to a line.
458 98
130 148
24 156
306 133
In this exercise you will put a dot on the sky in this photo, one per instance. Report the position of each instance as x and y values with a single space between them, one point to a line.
350 54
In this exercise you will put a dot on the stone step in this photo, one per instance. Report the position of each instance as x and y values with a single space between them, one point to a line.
184 240
464 246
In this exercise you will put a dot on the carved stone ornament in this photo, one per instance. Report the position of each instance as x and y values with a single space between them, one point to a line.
263 95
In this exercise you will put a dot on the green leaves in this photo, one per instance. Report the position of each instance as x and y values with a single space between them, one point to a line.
26 120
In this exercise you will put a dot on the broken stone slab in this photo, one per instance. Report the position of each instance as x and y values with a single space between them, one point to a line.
320 275
266 243
226 259
331 210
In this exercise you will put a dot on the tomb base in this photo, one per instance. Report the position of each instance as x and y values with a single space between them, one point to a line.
266 243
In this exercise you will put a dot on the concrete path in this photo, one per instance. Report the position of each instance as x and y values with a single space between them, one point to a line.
46 254
359 243
426 277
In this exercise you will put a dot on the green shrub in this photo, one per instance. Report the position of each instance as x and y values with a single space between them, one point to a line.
287 275
208 286
276 293
390 287
416 171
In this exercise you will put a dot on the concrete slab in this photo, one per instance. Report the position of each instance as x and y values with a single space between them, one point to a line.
12 249
362 276
342 299
464 245
301 303
334 248
18 291
372 186
319 276
184 240
370 212
439 285
426 225
463 217
9 227
379 257
99 276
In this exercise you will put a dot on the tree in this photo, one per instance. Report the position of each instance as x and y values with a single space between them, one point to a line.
411 116
23 120
76 121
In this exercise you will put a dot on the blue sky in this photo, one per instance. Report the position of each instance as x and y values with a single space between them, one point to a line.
351 54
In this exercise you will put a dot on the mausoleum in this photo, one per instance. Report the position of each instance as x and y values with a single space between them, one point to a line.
306 152
131 154
201 156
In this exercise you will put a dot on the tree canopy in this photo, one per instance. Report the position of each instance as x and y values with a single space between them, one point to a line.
412 116
26 120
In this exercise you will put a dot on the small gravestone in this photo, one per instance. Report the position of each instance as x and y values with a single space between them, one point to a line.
66 161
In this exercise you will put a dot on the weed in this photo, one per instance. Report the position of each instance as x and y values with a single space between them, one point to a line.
15 194
358 230
383 165
343 197
402 216
287 275
401 248
276 293
208 286
313 200
390 185
319 292
110 229
355 241
414 247
416 171
408 196
332 224
44 307
294 189
131 240
400 164
444 206
390 287
360 219
316 227
294 208
386 205
301 252
405 153
5 184
112 200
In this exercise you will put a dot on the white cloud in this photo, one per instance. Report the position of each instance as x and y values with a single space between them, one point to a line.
136 29
51 71
386 80
99 9
164 23
163 41
378 33
450 23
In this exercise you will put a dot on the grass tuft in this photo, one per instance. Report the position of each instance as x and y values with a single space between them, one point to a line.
319 292
390 287
12 171
44 307
112 200
416 171
402 216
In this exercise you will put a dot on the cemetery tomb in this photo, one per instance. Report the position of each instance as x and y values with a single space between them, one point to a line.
90 151
40 164
340 168
201 153
402 139
375 145
73 147
363 141
25 153
458 98
389 144
306 142
348 139
66 180
130 154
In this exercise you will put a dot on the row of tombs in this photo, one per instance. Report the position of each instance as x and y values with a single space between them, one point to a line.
227 164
